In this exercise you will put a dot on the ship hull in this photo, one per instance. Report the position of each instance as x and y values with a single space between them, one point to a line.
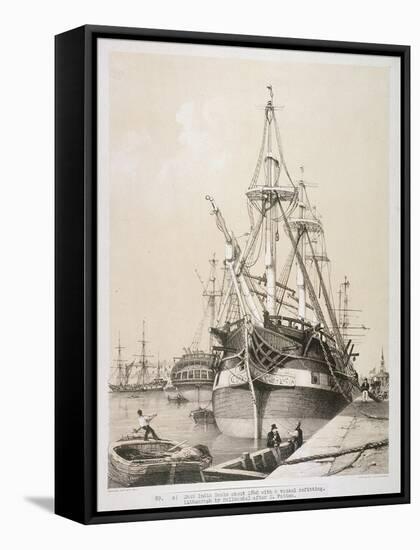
295 378
192 377
197 394
285 407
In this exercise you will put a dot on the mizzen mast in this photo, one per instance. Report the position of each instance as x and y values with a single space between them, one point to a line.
300 279
211 293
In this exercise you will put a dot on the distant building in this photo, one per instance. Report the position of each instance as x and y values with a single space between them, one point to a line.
379 379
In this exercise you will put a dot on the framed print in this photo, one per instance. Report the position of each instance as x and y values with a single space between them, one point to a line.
232 274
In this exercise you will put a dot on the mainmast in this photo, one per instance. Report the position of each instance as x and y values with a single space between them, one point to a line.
264 195
264 198
270 245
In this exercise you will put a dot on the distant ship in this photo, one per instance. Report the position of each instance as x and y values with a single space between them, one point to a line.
120 374
136 376
283 357
192 375
160 378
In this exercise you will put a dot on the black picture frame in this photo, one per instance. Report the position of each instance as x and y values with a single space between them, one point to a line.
75 271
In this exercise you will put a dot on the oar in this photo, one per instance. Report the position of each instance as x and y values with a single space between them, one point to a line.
177 445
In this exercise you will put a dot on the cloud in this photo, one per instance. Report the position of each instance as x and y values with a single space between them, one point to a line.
198 142
191 135
127 158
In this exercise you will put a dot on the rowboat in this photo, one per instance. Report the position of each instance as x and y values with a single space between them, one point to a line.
173 394
202 416
136 462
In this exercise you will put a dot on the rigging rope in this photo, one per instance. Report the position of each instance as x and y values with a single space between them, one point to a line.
260 157
280 149
340 389
312 294
289 263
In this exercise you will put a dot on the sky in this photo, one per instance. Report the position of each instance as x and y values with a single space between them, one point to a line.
186 122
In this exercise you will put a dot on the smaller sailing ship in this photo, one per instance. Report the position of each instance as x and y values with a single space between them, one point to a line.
121 373
136 376
192 375
145 381
142 366
159 381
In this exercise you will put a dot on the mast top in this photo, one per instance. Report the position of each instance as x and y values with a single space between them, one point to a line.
264 194
269 107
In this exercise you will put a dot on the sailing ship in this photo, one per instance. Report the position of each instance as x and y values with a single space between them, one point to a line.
121 372
159 381
282 355
136 376
192 375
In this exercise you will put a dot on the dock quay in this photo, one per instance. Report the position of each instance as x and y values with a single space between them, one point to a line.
248 466
355 442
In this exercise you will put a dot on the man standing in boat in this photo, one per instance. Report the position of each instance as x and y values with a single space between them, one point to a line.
144 425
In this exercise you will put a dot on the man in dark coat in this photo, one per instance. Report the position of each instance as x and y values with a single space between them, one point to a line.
365 390
300 435
273 437
297 435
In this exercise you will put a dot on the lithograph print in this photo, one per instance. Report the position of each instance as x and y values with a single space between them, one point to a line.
248 284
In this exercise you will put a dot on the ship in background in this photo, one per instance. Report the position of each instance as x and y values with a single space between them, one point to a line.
284 356
192 375
138 375
121 373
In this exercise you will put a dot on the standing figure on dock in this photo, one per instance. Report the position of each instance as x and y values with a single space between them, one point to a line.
365 390
144 425
297 434
273 437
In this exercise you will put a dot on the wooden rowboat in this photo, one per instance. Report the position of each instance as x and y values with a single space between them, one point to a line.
202 416
135 462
